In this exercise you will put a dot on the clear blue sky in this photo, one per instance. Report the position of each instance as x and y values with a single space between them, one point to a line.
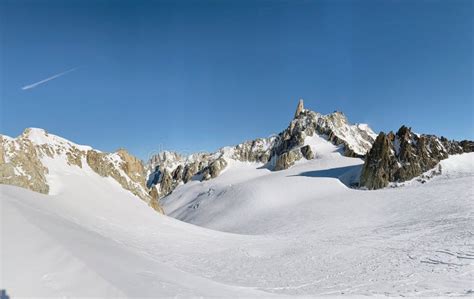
198 75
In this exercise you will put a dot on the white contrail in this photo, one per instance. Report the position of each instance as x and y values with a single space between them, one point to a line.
48 79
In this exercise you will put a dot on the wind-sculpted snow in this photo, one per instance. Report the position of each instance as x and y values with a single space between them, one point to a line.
299 231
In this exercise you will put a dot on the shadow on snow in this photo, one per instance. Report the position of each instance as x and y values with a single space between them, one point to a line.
348 175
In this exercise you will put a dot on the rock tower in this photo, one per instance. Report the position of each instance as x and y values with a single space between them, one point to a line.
299 108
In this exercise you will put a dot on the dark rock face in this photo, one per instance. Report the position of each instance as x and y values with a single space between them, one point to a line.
214 169
376 171
402 156
307 152
299 108
166 183
467 146
177 174
154 177
287 159
457 147
253 150
163 182
189 171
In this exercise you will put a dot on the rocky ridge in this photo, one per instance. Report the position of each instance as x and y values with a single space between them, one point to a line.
402 156
24 162
389 158
168 169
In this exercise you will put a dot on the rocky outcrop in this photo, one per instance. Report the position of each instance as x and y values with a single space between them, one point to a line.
379 161
23 160
132 167
299 108
405 155
214 169
307 152
167 184
177 174
287 159
467 146
457 147
253 151
191 170
20 164
127 170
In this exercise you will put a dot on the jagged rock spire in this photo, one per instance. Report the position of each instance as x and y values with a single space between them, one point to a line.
299 108
405 155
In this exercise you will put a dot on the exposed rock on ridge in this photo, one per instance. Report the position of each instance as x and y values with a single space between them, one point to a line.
23 163
402 156
23 168
299 108
355 140
214 169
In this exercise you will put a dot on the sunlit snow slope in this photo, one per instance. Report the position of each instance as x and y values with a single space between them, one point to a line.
412 240
95 239
298 231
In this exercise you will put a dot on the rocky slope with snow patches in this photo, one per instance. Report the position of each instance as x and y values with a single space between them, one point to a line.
405 155
37 160
389 158
168 170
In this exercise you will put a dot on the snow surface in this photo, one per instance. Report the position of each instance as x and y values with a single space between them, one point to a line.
39 137
300 231
93 238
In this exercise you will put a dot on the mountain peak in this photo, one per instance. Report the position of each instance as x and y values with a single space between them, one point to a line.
299 108
41 137
277 152
35 132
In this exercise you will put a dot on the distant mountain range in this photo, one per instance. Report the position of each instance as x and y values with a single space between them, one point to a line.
32 160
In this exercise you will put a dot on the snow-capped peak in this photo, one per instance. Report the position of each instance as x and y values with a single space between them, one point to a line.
40 136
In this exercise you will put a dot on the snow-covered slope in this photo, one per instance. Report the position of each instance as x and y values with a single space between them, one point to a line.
299 231
268 216
330 239
250 190
54 246
49 164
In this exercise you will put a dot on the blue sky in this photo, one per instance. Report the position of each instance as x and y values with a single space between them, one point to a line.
198 75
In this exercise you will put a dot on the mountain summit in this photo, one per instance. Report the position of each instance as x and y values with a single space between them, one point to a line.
279 152
299 108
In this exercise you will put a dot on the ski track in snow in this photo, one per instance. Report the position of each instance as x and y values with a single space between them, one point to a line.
257 233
